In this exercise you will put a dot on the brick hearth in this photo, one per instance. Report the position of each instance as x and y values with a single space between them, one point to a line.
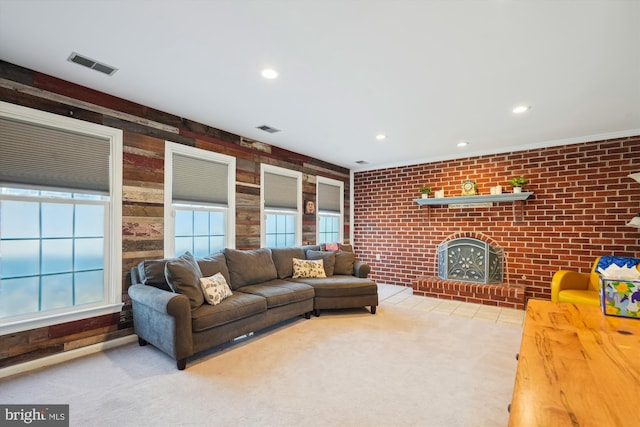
501 295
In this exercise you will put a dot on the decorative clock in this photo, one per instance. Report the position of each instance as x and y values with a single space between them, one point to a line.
469 188
309 207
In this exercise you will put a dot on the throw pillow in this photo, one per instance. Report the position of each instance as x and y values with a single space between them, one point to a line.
332 246
282 259
212 264
307 268
328 260
183 276
215 288
344 263
151 273
248 267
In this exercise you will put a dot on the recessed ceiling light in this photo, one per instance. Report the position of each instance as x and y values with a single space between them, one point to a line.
463 144
269 73
521 109
381 136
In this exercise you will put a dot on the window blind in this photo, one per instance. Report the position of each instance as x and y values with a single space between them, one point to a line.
280 192
200 181
329 198
36 155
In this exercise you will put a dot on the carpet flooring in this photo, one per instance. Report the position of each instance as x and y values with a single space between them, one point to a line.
400 367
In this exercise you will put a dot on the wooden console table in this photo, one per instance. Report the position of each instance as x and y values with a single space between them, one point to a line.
576 367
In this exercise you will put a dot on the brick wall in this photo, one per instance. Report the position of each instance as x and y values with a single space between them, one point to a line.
583 199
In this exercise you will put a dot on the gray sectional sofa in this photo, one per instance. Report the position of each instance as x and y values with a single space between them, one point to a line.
170 312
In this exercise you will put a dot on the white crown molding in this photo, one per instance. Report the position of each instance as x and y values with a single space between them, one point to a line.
509 149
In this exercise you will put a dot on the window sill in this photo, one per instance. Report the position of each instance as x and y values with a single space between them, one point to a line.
58 318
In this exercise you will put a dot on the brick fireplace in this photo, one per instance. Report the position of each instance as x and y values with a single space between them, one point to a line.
500 295
470 269
470 259
583 199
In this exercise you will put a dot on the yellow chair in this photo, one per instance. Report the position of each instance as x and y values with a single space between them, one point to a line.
577 288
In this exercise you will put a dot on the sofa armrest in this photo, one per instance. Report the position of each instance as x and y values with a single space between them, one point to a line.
163 319
361 269
567 279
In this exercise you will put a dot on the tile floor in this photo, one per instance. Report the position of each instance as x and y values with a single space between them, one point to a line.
403 297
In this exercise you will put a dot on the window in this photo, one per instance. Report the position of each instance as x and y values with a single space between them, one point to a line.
330 207
282 207
60 219
280 229
328 228
199 200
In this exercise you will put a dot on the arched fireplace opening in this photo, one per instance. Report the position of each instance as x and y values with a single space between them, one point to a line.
471 260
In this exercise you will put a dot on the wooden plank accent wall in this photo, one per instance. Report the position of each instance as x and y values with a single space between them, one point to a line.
145 131
582 200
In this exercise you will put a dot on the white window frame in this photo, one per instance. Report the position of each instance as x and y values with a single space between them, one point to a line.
264 211
113 224
319 212
172 148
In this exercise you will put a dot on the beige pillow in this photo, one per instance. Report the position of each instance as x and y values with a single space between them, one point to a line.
215 288
304 268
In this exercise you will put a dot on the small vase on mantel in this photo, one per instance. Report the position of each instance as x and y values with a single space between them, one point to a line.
518 183
425 190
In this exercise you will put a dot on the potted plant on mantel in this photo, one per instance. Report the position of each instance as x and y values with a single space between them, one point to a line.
518 183
425 190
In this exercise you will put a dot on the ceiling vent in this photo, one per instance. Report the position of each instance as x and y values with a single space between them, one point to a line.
268 129
362 162
90 63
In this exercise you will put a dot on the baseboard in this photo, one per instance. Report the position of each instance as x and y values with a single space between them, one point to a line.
65 356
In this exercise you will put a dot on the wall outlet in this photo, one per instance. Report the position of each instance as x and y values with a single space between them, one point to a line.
377 257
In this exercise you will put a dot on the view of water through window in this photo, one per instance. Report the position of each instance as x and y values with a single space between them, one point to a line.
280 230
199 231
51 250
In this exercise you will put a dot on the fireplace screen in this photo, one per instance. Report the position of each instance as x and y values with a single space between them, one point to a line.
470 260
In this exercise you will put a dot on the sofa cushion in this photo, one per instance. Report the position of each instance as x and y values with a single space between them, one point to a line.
344 263
214 263
328 260
283 260
308 268
280 292
346 248
250 267
215 288
151 272
307 248
238 306
183 276
340 286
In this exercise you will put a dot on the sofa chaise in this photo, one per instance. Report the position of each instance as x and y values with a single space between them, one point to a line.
171 312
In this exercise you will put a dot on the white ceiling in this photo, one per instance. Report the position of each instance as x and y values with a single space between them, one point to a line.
426 73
